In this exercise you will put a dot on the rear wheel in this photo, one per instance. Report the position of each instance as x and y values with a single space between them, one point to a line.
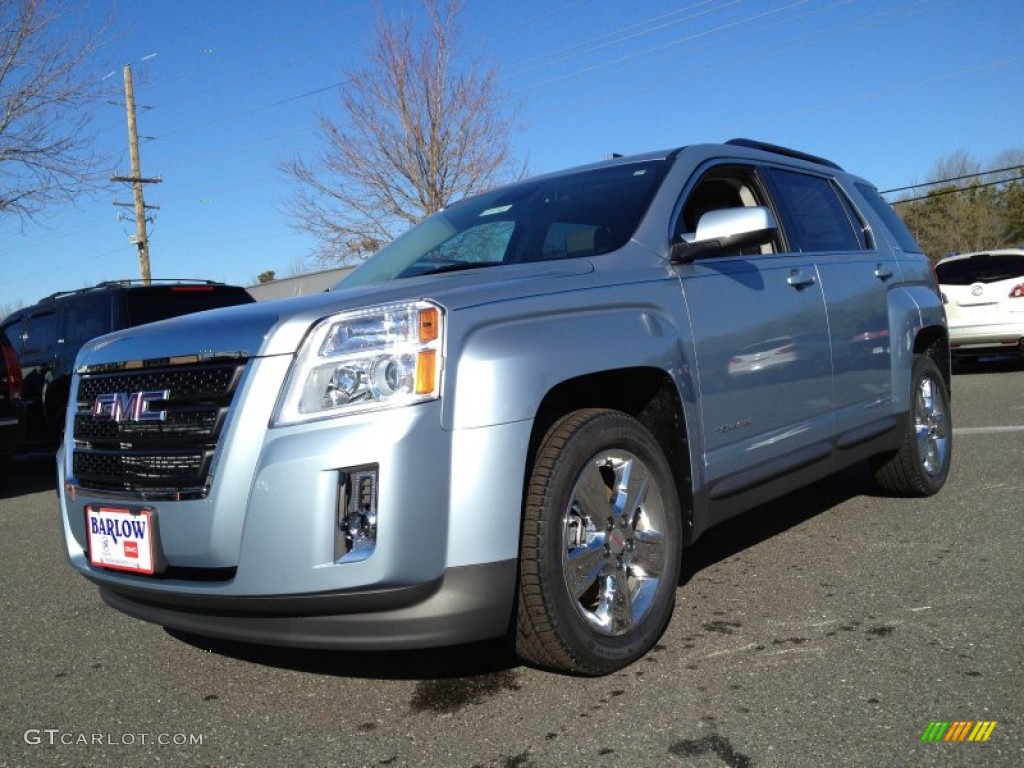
920 466
600 546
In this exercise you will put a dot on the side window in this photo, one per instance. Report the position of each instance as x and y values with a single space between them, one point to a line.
864 234
86 319
566 240
15 330
889 217
41 335
724 187
817 218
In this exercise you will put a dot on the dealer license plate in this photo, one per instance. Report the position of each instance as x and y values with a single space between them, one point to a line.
120 539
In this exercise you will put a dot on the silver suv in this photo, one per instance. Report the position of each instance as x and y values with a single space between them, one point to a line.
514 419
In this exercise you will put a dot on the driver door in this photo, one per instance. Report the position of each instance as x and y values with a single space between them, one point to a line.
762 348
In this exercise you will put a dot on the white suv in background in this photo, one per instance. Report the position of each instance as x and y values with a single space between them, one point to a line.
984 297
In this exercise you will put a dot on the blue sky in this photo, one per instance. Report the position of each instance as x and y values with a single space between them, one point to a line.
883 87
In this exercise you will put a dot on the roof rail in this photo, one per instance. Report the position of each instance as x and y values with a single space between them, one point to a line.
173 280
127 283
777 150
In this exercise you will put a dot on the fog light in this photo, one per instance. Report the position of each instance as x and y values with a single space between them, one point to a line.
356 535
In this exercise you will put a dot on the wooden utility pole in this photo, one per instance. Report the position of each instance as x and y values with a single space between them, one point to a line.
136 179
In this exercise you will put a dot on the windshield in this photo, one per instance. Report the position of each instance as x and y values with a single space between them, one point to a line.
585 213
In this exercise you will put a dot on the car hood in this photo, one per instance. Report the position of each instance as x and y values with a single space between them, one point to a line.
278 327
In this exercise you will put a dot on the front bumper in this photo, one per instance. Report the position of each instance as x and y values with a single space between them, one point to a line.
464 605
258 558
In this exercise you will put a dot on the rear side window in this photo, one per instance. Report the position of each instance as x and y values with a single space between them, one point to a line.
894 223
817 218
147 305
41 334
85 319
15 330
981 268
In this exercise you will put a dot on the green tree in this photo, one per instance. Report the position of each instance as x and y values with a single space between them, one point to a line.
972 210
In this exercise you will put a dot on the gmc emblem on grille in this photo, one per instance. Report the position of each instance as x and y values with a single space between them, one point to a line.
122 406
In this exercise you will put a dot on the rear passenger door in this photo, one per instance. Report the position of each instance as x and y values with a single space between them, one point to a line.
822 223
762 348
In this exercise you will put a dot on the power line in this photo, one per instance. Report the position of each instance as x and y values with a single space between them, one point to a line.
958 190
956 178
663 46
253 110
610 38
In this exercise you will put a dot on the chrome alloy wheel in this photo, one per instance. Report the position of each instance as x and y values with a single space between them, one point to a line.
931 427
615 546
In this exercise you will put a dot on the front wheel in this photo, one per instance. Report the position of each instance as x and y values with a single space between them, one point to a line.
601 546
920 466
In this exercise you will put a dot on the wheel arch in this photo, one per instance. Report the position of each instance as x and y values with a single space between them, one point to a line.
647 394
917 324
933 340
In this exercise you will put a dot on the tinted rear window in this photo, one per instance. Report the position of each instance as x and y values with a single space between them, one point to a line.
892 221
85 318
41 336
818 219
983 268
147 305
15 330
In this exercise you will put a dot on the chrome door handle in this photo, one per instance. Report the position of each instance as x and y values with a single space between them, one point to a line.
799 280
882 272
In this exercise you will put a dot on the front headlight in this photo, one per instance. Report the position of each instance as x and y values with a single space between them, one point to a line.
379 357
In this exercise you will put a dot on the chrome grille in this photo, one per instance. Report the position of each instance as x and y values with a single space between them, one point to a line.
172 455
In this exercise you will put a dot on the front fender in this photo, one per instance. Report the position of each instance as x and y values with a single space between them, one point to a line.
508 357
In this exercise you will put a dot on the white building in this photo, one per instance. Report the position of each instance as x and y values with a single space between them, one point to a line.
301 285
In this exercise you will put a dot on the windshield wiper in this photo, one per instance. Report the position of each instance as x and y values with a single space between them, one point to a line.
460 267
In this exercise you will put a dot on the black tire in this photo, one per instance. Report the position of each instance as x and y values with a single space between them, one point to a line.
627 546
921 465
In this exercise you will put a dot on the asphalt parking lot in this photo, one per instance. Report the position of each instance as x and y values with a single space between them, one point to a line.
828 628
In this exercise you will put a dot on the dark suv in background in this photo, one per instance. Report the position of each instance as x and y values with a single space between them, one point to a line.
48 335
12 412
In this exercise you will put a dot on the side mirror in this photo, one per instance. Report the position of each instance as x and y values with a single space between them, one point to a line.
724 229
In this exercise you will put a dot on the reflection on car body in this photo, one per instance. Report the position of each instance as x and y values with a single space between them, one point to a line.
764 356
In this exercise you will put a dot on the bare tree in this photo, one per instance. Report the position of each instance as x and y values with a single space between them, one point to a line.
10 308
419 132
46 153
